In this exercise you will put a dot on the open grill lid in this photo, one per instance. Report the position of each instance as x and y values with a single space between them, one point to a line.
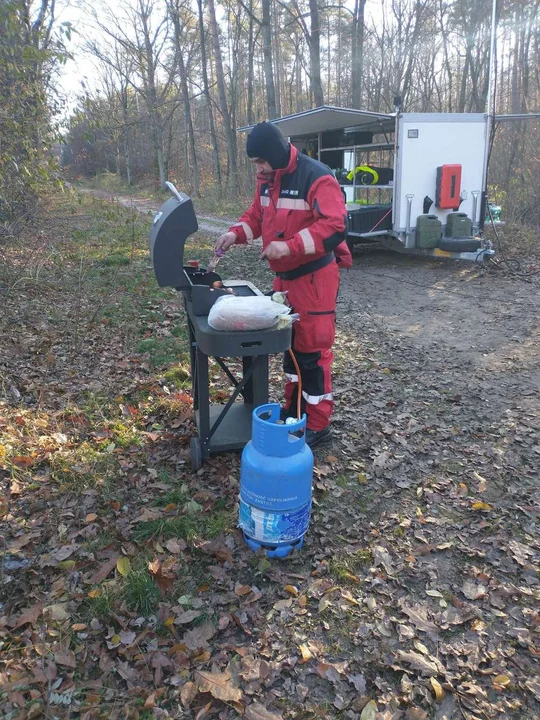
174 222
172 225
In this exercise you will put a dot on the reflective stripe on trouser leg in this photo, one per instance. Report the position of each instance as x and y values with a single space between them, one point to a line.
313 296
317 400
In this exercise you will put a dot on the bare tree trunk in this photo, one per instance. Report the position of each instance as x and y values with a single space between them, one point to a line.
463 89
208 98
357 52
412 43
447 65
251 59
126 134
278 68
194 169
338 90
315 53
267 54
147 61
229 134
298 78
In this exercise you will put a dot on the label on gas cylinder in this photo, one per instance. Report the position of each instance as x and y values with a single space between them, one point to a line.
274 527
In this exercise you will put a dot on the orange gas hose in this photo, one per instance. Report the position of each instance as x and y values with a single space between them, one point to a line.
299 398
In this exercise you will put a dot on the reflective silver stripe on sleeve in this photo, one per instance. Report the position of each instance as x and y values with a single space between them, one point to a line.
309 242
265 200
247 230
316 399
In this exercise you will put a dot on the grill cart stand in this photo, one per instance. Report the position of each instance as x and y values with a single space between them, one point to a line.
220 427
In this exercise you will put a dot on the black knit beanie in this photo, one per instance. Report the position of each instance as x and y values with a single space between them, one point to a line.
266 141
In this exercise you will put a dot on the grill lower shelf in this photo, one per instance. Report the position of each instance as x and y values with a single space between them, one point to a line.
235 430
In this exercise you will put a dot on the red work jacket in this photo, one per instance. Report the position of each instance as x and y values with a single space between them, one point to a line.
303 206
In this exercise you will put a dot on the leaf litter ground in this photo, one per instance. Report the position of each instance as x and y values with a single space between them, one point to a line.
127 591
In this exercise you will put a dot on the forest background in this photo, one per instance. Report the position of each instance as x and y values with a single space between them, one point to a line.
172 80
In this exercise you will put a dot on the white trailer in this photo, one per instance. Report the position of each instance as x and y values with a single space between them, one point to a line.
416 181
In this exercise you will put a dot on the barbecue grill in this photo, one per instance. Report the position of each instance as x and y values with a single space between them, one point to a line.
220 427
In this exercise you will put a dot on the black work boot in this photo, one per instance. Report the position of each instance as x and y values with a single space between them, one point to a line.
313 436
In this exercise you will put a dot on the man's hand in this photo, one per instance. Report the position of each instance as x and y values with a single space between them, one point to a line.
276 250
225 241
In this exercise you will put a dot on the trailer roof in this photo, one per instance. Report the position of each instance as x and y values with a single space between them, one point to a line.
328 117
520 116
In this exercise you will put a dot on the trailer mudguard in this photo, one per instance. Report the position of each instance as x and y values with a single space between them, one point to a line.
448 191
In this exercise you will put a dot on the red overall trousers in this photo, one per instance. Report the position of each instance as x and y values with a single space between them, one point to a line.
313 296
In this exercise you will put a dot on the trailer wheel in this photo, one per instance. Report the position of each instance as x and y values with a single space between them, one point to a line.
195 452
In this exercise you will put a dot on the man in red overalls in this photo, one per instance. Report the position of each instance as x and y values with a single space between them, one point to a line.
300 213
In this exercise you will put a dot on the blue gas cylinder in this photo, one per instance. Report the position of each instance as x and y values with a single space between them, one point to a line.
275 483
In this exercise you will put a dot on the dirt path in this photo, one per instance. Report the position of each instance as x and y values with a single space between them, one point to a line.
207 223
462 316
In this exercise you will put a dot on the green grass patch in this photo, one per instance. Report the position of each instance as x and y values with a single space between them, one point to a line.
346 569
187 527
100 542
137 591
102 605
140 592
177 527
342 481
84 467
179 375
125 436
96 407
216 523
176 497
117 259
164 351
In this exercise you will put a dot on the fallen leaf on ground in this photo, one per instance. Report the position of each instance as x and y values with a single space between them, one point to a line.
127 637
188 693
370 711
30 615
175 546
242 590
127 672
425 666
123 565
56 612
381 556
197 638
291 589
416 714
102 572
283 604
218 684
187 617
482 506
472 591
533 685
501 681
437 689
65 658
256 711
